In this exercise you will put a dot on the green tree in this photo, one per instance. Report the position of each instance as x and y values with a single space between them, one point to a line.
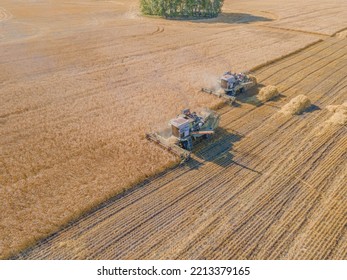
182 8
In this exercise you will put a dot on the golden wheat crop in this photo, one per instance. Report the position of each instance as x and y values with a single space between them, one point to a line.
80 85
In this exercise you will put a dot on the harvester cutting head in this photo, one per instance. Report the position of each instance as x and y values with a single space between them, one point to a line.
232 84
184 130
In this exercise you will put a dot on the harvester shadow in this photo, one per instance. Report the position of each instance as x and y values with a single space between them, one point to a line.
233 18
312 108
217 150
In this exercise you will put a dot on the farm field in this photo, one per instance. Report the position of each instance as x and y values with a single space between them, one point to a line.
271 186
82 82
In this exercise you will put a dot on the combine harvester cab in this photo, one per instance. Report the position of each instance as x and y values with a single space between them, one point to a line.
184 130
232 84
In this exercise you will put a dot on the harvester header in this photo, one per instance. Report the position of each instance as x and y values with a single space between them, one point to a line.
184 130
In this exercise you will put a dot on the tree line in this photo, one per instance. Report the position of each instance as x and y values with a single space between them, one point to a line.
182 8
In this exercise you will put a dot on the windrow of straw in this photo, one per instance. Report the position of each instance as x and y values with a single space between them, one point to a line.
297 105
267 93
340 114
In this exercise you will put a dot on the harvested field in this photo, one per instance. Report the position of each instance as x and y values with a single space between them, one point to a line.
267 187
82 82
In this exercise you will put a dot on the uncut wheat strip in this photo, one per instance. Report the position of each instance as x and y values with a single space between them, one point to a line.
292 60
322 29
308 56
220 50
166 48
285 61
238 115
251 117
56 119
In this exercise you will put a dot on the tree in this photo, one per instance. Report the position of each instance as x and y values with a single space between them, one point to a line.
182 8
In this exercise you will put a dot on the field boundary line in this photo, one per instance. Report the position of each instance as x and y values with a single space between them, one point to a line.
296 30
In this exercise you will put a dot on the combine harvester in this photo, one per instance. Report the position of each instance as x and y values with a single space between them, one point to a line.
184 130
232 84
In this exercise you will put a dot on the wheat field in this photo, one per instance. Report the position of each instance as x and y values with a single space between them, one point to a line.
82 82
